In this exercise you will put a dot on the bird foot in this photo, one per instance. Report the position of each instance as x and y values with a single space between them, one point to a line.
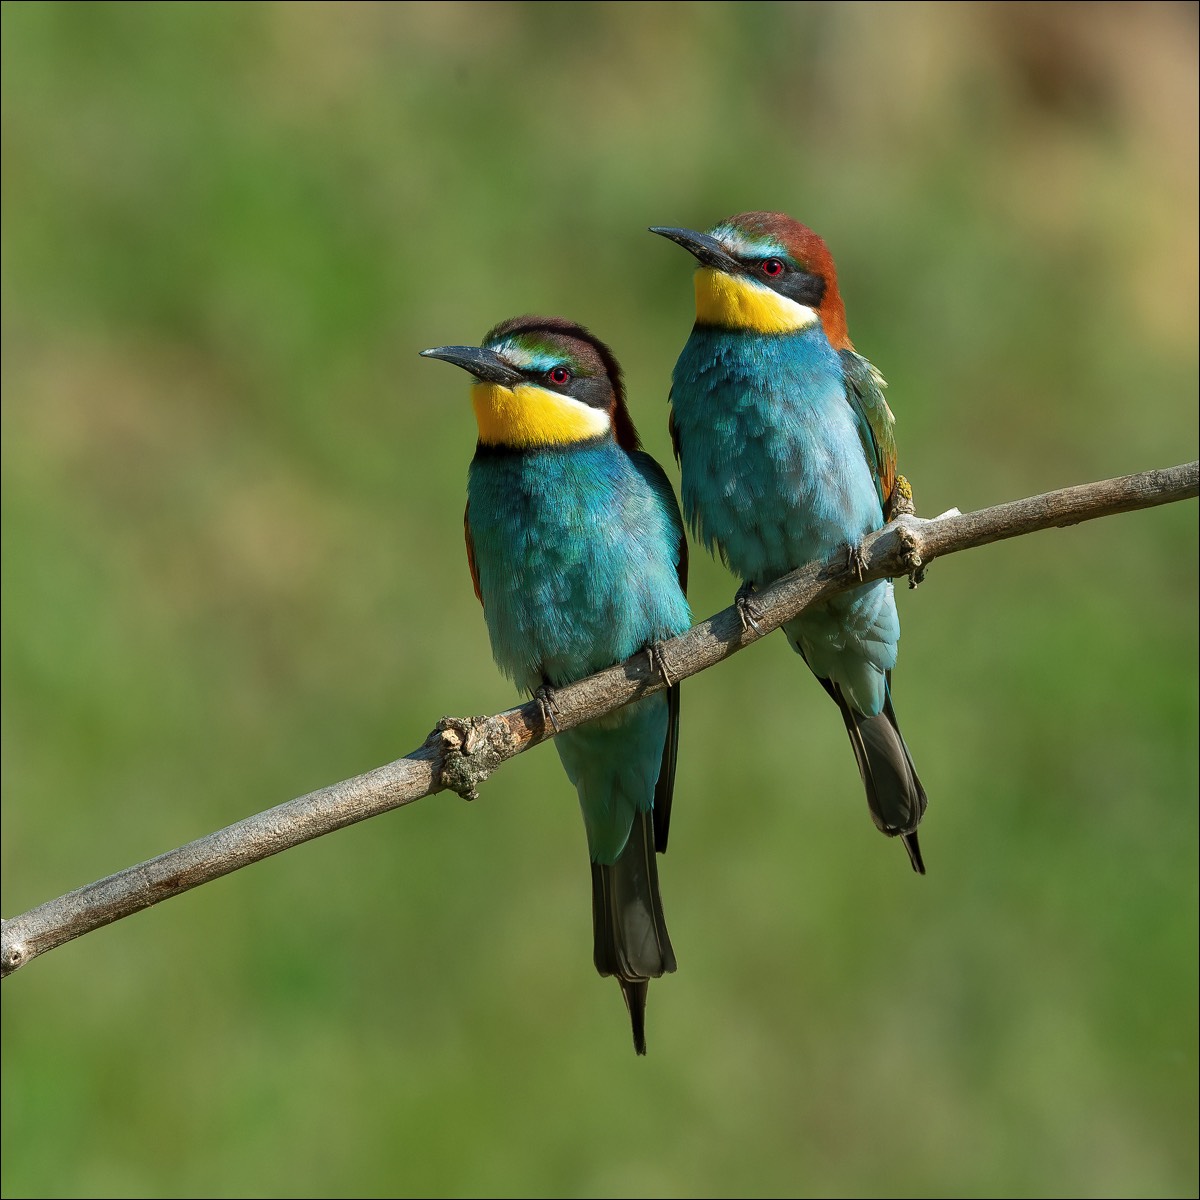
856 561
545 698
658 662
914 564
748 611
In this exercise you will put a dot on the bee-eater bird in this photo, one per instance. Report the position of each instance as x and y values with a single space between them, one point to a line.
578 556
788 455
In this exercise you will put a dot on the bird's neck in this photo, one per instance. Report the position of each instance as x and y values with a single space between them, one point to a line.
526 417
737 302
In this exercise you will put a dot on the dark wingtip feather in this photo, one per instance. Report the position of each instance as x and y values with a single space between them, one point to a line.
635 992
664 790
914 852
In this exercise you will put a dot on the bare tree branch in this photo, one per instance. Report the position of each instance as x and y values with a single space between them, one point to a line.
461 753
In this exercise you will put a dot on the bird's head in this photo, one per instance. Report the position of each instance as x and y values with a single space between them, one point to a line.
764 272
543 381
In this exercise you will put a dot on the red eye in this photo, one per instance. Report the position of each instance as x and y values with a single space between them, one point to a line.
559 376
772 267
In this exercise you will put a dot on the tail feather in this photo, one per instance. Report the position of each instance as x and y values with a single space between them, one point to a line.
635 992
631 940
914 851
894 793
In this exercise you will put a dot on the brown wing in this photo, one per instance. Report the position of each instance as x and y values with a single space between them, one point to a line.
471 552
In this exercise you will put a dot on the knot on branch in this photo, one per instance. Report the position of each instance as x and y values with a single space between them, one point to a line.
469 750
900 502
13 954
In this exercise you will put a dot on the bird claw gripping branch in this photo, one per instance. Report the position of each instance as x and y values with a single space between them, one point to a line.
545 699
856 561
914 564
658 663
748 611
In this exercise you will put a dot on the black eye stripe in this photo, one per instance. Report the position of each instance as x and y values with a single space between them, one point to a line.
794 282
755 261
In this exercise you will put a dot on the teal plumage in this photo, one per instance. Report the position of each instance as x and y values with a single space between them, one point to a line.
578 553
576 550
788 456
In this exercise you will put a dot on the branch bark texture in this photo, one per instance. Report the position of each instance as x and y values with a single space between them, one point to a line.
462 752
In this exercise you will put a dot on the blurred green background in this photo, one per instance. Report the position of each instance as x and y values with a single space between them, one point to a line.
233 572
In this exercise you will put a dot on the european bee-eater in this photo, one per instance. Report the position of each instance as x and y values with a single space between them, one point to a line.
788 455
578 556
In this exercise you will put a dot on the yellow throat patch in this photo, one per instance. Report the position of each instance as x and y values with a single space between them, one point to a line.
528 415
735 302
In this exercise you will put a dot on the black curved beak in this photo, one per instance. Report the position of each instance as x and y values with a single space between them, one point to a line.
707 249
484 364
